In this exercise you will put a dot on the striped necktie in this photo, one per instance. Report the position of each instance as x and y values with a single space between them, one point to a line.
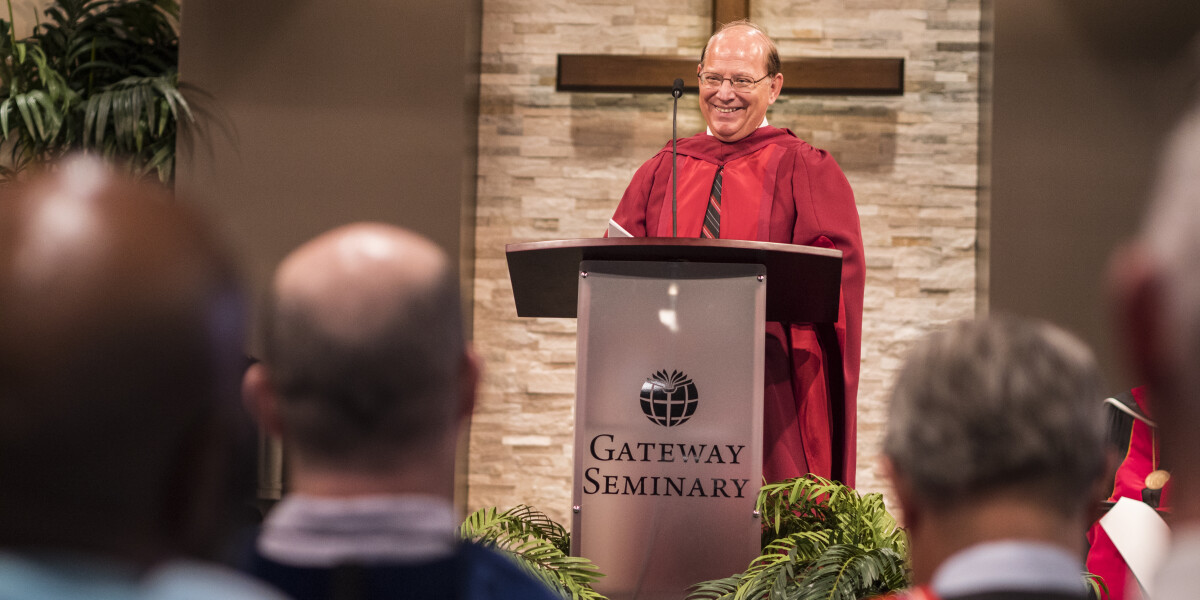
711 228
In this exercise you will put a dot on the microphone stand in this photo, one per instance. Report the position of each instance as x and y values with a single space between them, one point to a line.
676 92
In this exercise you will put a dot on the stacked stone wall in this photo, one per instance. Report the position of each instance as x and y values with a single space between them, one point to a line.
553 165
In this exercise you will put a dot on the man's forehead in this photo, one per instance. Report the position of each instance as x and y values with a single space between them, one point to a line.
737 43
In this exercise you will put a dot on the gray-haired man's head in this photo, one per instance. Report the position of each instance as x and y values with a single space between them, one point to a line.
998 404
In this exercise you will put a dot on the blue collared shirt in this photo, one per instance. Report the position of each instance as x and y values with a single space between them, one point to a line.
1010 565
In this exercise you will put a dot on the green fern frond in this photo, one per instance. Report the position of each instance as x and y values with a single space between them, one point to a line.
821 540
847 572
537 543
1096 585
717 589
95 75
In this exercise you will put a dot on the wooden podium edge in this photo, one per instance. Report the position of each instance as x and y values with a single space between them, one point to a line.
544 275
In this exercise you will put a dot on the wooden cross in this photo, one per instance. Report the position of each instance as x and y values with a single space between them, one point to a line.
814 75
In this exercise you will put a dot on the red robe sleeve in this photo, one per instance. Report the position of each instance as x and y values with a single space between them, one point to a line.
632 213
827 217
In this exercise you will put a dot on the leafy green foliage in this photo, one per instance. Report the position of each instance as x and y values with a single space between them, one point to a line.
1096 585
95 75
539 544
821 540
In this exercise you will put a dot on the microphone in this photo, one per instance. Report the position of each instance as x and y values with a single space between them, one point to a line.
676 92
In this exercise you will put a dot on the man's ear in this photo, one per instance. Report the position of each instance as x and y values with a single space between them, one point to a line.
261 399
1139 302
776 87
904 494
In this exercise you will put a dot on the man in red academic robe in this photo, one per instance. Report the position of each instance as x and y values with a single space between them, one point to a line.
1132 478
746 180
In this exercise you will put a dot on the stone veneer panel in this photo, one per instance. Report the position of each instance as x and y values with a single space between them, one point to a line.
553 166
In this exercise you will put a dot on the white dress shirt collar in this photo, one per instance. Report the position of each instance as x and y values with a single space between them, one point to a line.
1011 565
708 130
308 531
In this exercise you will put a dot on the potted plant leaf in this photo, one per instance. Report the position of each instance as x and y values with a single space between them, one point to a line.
94 76
821 539
537 543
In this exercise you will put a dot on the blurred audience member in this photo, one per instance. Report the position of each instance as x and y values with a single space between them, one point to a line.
995 445
368 380
1156 280
1133 436
120 351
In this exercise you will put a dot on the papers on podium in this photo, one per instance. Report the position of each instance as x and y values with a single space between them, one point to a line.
616 231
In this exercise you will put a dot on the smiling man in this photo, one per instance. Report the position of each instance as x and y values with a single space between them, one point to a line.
746 180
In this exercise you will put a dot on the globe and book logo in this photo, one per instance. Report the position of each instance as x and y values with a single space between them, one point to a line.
669 400
673 464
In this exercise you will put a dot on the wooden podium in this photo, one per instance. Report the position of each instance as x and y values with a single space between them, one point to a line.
668 413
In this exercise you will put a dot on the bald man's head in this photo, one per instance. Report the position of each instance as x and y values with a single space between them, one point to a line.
365 346
120 344
744 30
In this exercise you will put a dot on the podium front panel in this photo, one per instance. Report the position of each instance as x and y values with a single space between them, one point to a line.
668 424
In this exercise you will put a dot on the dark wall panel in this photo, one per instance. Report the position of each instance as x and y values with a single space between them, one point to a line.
317 113
1082 94
321 112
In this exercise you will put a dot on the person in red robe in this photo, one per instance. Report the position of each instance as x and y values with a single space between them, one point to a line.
1132 479
773 187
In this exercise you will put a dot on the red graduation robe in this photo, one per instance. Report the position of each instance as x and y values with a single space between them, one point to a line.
775 188
1141 458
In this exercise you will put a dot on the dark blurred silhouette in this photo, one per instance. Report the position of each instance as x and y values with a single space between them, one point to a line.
121 434
369 382
1156 285
995 445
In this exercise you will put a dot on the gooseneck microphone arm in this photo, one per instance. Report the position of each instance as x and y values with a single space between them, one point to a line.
676 92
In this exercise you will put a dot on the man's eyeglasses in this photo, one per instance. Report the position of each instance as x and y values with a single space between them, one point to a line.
712 80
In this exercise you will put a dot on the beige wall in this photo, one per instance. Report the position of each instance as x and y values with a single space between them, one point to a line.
318 113
26 14
322 115
553 165
1083 93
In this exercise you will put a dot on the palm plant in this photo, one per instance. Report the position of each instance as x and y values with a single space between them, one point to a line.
98 76
538 544
821 540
